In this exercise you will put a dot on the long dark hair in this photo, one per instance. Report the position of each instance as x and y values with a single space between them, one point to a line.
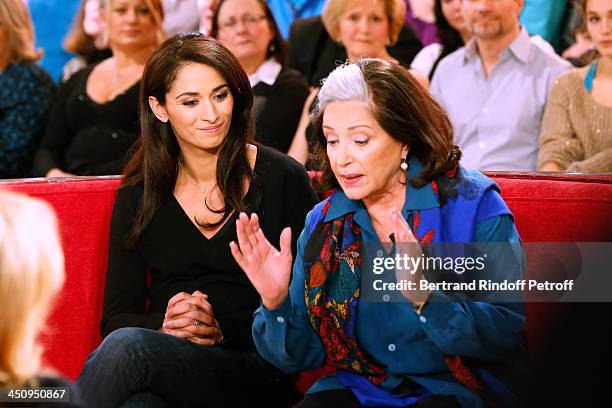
449 37
154 163
277 48
402 107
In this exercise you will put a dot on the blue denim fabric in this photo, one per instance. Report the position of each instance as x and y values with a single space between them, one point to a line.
141 367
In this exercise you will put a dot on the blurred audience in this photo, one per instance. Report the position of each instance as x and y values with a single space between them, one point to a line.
25 91
85 39
545 18
421 17
315 53
577 129
94 121
453 34
365 28
581 50
52 20
495 88
247 28
206 11
286 11
31 275
180 16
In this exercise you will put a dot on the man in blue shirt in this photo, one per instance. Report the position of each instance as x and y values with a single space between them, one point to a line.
496 87
285 11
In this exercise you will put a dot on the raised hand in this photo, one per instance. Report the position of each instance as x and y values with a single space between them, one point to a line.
268 269
407 244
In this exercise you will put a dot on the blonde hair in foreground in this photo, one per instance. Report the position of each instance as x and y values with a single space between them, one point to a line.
31 274
15 20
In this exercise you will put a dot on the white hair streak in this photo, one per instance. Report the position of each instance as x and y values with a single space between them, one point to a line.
345 83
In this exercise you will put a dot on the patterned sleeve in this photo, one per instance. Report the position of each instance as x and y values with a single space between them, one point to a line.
284 336
25 101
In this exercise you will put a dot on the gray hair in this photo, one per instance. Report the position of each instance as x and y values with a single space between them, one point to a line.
345 83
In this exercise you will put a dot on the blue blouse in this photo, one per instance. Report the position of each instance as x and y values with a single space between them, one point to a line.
26 91
409 345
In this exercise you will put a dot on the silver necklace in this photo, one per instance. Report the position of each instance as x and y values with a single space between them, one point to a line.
203 190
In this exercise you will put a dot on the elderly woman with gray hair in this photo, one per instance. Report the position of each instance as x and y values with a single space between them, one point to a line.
386 147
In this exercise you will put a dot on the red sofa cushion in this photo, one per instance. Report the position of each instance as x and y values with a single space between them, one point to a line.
83 208
546 209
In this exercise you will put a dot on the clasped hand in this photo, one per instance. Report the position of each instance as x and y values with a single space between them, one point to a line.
191 317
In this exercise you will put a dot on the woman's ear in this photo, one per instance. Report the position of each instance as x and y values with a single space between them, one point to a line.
158 109
405 150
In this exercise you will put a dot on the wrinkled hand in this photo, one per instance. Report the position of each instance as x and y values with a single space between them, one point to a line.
268 270
191 317
407 244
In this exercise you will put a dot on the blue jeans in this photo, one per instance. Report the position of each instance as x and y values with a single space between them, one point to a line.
140 367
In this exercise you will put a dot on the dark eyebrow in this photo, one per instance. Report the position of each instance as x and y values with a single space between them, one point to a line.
360 125
215 89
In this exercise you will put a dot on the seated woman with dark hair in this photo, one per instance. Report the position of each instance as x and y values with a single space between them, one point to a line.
248 29
387 148
185 338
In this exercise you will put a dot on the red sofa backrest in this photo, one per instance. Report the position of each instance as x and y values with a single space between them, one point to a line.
546 209
83 208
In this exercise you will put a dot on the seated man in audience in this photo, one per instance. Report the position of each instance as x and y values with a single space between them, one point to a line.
315 54
495 88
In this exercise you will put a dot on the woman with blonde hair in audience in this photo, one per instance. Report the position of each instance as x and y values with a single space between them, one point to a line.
577 128
85 38
248 29
26 91
31 275
365 28
94 121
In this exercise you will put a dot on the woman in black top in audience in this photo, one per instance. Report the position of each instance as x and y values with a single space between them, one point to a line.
94 121
194 170
248 29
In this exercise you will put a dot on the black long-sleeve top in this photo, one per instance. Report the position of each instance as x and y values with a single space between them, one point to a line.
181 259
278 108
85 137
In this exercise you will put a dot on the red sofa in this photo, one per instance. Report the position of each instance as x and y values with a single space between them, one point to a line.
547 208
